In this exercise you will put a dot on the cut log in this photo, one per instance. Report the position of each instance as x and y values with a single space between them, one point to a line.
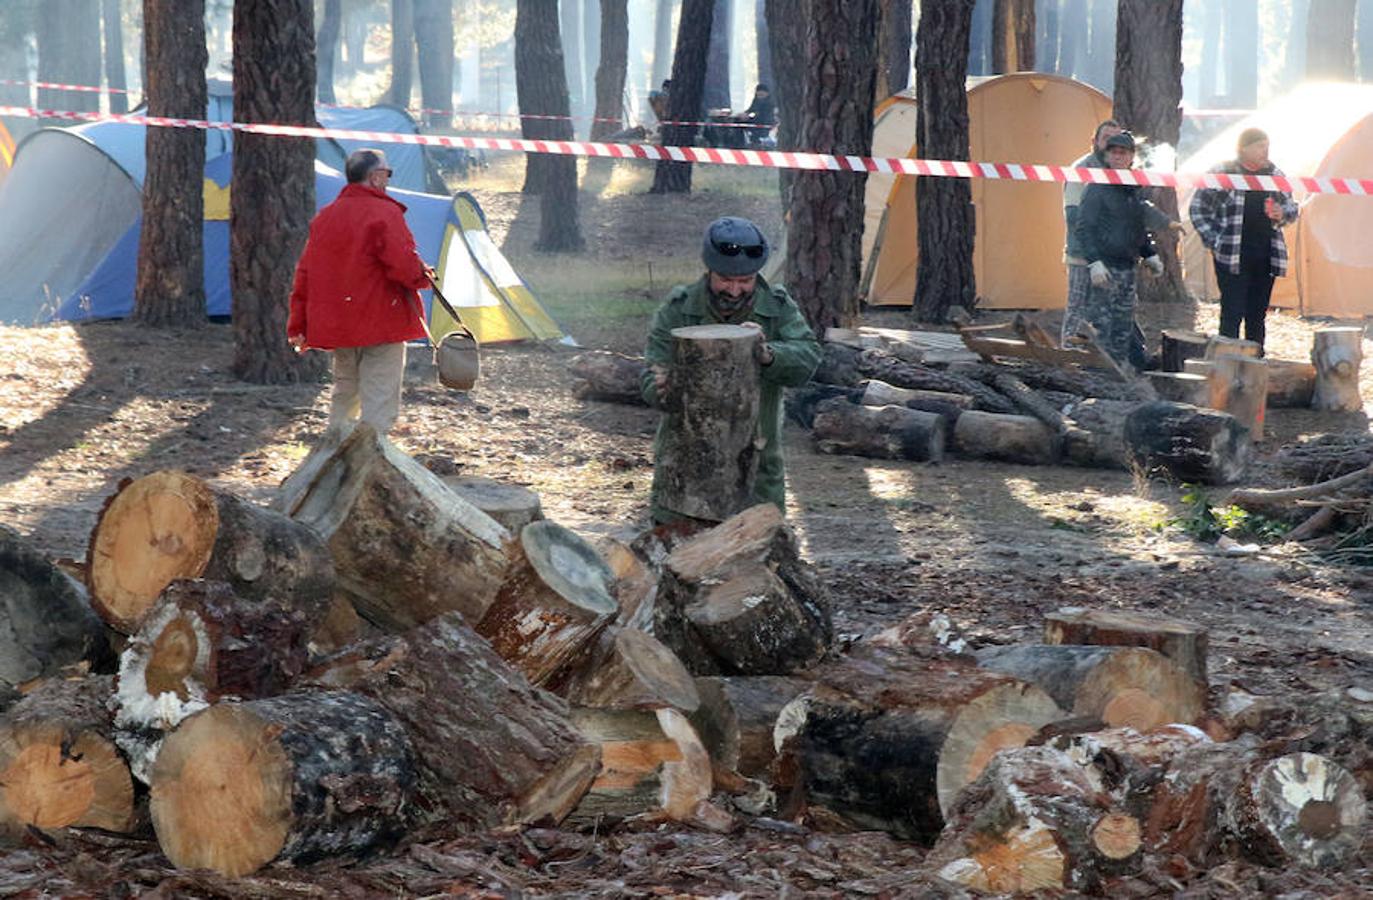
737 717
1201 446
706 582
635 587
1201 367
651 762
838 365
1290 384
1122 686
1083 383
405 547
1337 353
608 377
879 432
1176 346
46 621
1239 385
1180 387
553 604
801 403
631 670
1018 439
883 367
879 393
512 506
314 775
491 749
1029 402
58 764
1182 642
1098 436
1218 346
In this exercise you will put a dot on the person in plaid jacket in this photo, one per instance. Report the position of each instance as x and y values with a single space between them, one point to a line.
1243 231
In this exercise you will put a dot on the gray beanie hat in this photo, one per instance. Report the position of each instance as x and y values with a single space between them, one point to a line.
734 247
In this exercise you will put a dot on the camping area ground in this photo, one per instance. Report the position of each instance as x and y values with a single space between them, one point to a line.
992 546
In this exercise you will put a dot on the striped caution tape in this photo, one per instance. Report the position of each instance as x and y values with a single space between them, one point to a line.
772 159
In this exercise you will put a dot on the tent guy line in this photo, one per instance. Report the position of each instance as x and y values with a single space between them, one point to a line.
772 159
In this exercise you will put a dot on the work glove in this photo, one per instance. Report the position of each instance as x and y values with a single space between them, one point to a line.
1154 264
1101 276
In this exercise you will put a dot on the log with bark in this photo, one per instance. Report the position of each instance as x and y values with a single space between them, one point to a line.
58 763
884 367
636 584
629 669
1082 382
1239 385
948 406
1337 353
1098 436
512 506
608 377
1182 642
405 547
296 778
491 749
737 717
1029 402
803 402
1180 387
46 620
839 365
1290 384
1193 445
1121 686
1279 502
1019 439
1218 345
879 432
1176 346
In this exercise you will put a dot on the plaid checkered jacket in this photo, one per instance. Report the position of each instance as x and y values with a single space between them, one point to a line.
1218 217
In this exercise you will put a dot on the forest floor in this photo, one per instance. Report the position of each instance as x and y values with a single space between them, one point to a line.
992 546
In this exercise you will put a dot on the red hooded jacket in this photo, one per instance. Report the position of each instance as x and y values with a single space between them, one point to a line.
357 280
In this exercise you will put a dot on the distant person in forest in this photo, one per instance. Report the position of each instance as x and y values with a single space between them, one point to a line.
732 292
1112 235
1243 231
355 293
761 113
658 101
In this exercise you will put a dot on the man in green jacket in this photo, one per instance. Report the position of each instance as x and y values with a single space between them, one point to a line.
733 293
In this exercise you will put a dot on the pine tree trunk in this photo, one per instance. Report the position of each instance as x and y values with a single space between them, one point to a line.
786 32
1101 50
610 73
896 46
945 210
68 37
688 89
1212 26
434 41
1072 38
1148 101
760 27
170 291
1013 36
1242 53
1294 62
402 53
330 27
980 39
717 59
591 54
1330 40
1046 52
571 30
114 54
542 87
274 184
662 42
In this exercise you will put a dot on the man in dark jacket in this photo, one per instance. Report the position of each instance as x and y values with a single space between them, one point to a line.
1112 235
761 113
355 293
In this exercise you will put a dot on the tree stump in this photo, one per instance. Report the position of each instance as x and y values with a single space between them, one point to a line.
1176 346
491 749
1218 346
314 775
1291 385
46 621
1121 686
1182 642
58 764
608 377
708 457
880 432
1201 446
738 715
512 506
630 669
552 605
1239 385
1180 387
1337 353
406 548
1018 439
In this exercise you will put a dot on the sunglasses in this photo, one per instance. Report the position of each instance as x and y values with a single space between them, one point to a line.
752 251
386 172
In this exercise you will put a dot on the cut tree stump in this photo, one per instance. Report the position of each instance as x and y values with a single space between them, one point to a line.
46 620
512 506
738 715
738 599
1018 439
1202 446
491 749
708 457
1337 353
58 764
314 775
406 548
608 377
630 669
879 432
1180 387
1239 385
1218 346
552 605
1176 346
1182 642
1290 384
1121 686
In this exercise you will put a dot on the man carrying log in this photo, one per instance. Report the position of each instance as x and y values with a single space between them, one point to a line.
733 293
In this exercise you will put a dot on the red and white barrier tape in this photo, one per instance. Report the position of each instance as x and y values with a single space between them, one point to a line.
772 159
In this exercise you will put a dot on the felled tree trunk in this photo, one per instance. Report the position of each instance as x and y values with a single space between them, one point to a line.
606 376
512 506
552 605
709 456
58 764
948 406
491 750
405 547
631 669
1193 445
881 432
1020 439
1098 440
737 717
1029 402
1239 385
1177 346
1337 354
882 366
1290 384
312 775
46 621
1182 642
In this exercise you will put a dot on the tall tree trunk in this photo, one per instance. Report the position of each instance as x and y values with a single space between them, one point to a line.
170 290
274 184
1046 53
688 87
1242 52
1330 40
541 83
980 39
717 59
787 31
1072 38
760 29
1100 70
662 42
434 41
1212 24
571 41
68 37
896 45
944 205
610 74
402 53
114 55
1013 36
591 56
1148 101
824 257
330 27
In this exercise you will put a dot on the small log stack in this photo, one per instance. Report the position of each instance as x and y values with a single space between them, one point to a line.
1337 353
1182 642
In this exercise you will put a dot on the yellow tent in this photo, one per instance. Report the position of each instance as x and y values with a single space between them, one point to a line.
1026 117
1321 130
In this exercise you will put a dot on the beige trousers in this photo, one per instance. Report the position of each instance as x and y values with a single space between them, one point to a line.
367 383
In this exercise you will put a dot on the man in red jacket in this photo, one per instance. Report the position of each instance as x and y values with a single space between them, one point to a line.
355 293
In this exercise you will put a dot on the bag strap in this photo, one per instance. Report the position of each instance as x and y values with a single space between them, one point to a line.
448 308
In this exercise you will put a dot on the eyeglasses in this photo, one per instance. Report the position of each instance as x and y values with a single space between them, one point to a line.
752 251
386 172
